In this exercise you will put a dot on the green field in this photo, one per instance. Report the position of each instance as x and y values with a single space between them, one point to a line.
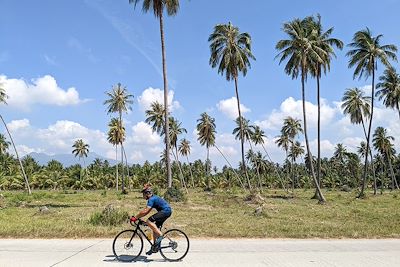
219 214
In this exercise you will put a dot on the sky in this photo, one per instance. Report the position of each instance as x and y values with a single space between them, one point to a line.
58 58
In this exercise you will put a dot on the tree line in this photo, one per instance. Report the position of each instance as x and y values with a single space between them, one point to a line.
306 53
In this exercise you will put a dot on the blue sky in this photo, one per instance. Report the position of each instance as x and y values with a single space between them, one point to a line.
57 58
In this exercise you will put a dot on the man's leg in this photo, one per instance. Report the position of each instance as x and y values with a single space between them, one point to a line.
154 228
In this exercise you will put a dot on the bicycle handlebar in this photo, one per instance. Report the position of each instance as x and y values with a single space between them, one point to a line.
138 221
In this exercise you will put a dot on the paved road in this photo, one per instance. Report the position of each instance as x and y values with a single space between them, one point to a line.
222 252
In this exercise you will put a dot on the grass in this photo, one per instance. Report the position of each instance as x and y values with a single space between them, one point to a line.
220 214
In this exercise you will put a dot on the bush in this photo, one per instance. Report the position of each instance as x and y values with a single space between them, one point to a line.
173 194
110 216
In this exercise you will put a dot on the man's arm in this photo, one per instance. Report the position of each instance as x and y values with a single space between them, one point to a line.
143 212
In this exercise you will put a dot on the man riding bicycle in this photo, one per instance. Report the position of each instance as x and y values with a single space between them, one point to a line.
155 221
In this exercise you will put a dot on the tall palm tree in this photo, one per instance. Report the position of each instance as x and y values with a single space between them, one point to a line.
231 53
119 100
324 44
383 143
389 89
366 51
80 150
4 144
206 136
3 97
116 135
357 106
184 150
301 54
158 7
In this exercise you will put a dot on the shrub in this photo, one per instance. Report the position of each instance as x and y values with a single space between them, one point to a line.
110 216
173 194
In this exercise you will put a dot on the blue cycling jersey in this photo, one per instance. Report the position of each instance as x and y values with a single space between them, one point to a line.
159 204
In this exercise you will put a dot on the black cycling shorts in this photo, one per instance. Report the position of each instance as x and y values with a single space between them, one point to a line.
159 218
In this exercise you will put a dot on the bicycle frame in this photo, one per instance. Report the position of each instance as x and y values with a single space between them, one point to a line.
139 229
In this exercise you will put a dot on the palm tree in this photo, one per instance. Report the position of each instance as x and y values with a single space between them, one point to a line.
382 142
295 151
366 52
231 52
175 130
4 144
324 47
244 132
119 100
357 106
389 89
116 135
258 138
206 136
155 117
291 127
158 7
80 150
184 150
300 52
3 97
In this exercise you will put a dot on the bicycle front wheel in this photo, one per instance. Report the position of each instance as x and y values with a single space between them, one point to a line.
127 246
174 245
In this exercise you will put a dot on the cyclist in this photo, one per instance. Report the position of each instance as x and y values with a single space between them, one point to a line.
155 221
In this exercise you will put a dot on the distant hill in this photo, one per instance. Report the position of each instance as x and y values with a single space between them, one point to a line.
66 159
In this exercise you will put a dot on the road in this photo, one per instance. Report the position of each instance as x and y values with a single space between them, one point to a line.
216 252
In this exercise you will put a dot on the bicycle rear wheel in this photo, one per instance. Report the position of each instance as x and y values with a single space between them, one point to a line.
127 246
175 245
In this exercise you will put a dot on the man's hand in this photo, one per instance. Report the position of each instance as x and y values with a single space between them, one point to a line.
133 219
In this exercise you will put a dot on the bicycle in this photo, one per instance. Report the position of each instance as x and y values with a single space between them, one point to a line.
128 244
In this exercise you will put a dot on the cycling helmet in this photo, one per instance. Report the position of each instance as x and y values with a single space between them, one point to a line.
147 189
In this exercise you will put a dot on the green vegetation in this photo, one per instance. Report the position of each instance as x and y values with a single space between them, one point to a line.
220 213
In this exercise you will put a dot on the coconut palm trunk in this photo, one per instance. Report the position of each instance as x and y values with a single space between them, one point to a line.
371 157
321 197
362 194
126 164
319 128
182 178
116 166
275 169
207 169
241 132
166 121
122 159
19 160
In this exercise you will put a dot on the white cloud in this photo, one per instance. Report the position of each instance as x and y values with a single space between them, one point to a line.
43 90
62 134
16 125
294 108
229 108
143 134
327 148
151 95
